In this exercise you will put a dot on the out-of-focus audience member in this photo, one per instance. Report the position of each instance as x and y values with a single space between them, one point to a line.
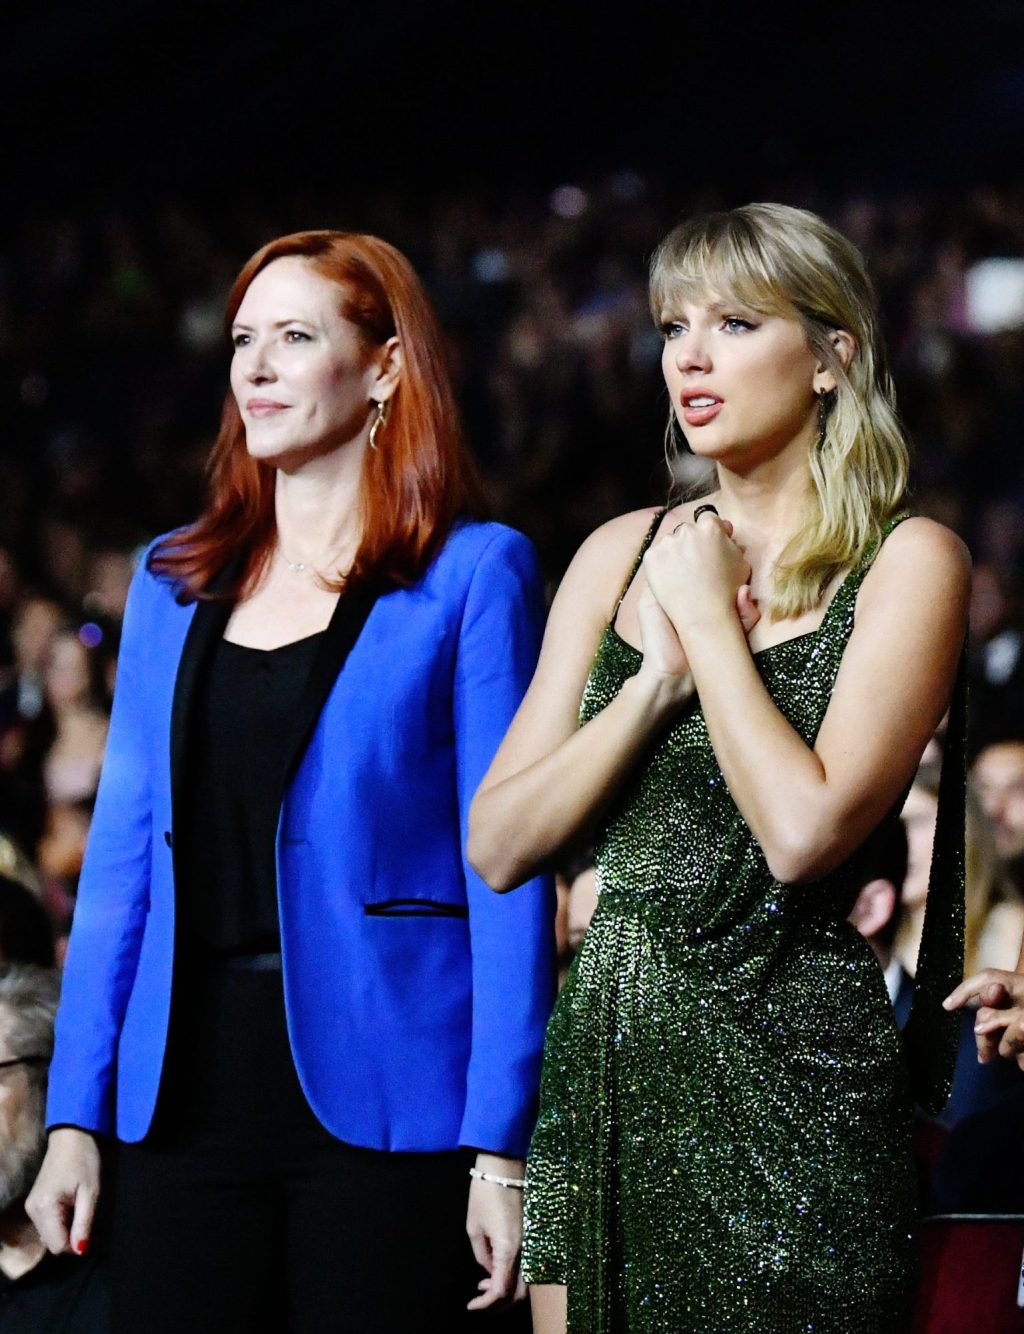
11 591
26 933
998 776
38 1292
996 659
60 853
920 812
35 625
22 794
48 790
78 712
994 913
109 578
17 865
9 716
878 908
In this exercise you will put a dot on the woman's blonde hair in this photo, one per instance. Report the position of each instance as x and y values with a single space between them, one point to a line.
786 261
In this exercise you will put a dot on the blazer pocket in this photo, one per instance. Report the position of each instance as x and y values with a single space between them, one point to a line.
415 908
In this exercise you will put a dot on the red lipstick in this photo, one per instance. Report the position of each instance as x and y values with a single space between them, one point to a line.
700 407
263 407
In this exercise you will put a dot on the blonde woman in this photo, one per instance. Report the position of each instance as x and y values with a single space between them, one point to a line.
723 1142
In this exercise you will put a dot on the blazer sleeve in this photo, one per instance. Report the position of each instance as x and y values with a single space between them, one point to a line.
511 935
113 898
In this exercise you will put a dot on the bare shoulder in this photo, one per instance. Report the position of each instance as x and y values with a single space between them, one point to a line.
921 549
617 541
577 621
925 541
602 563
922 572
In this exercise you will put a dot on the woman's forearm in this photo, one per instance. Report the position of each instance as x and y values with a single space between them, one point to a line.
776 780
811 806
519 823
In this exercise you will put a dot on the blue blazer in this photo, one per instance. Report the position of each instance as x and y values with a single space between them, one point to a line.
416 998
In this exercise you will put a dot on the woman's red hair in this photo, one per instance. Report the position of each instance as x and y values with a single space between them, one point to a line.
414 484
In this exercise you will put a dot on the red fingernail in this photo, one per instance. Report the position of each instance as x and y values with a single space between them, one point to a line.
82 1246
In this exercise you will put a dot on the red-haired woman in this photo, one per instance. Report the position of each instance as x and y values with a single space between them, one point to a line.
313 679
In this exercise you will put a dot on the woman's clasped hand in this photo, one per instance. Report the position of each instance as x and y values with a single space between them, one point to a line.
699 574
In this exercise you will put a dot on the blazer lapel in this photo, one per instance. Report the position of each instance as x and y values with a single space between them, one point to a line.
209 621
207 626
346 623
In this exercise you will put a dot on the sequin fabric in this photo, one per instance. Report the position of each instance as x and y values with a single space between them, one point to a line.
723 1141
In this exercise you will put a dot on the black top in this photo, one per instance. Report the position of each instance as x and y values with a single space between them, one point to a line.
63 1294
240 724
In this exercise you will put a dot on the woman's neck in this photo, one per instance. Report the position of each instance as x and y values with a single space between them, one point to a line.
766 506
317 508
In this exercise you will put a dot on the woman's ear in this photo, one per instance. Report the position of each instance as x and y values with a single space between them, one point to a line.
845 347
388 361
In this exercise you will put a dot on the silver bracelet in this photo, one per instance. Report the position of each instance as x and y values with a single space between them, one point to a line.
495 1180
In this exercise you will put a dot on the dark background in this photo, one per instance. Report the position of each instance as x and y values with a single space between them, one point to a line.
150 147
147 95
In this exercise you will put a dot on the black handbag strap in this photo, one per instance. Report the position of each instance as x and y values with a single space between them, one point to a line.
932 1035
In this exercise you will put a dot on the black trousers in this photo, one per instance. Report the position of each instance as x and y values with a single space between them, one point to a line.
241 1214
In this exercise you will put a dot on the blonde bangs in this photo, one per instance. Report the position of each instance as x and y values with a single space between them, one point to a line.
705 265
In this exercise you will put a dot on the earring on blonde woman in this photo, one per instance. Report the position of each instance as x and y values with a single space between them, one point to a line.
826 401
380 420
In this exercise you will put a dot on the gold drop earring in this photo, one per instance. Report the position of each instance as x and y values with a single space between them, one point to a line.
380 420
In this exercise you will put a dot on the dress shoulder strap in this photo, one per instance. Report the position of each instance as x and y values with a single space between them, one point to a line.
844 601
655 524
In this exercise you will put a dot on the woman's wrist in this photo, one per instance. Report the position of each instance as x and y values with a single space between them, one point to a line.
509 1173
711 617
496 1162
658 693
496 1179
61 1129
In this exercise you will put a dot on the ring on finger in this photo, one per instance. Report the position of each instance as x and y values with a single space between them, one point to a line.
704 509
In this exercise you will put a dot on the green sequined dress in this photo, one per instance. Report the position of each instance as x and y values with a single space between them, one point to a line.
723 1141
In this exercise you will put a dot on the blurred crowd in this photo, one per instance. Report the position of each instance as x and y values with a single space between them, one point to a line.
113 367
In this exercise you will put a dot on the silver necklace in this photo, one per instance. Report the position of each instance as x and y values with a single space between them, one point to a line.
297 566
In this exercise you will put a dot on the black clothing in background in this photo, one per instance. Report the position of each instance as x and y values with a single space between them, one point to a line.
240 725
63 1294
26 932
981 1170
242 1214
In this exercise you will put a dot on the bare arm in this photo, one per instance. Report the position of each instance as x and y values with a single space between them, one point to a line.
550 778
810 808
